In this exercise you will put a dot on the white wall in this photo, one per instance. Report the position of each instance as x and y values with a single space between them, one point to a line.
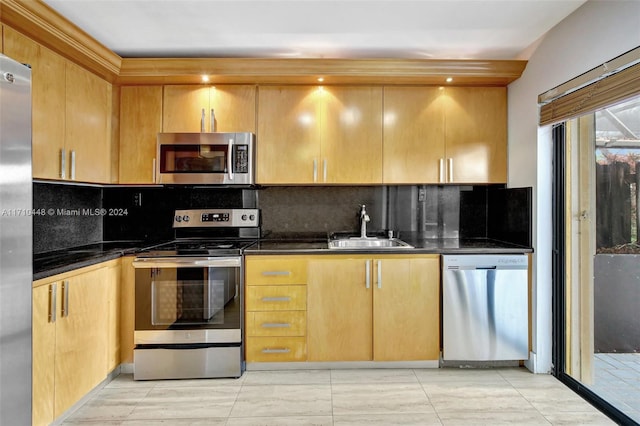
598 31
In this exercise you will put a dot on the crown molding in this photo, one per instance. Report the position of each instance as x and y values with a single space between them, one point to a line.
44 25
38 21
307 71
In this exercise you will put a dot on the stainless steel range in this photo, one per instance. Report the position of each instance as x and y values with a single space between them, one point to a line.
189 297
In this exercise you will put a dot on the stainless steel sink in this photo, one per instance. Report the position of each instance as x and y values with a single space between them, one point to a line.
367 243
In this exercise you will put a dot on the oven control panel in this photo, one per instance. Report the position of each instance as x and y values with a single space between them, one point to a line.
223 218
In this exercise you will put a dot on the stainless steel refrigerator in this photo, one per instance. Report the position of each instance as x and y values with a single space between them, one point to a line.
16 265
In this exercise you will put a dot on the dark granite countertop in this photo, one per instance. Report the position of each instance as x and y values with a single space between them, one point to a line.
65 260
60 261
318 244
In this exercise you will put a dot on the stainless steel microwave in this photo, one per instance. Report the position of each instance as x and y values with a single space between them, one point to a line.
206 158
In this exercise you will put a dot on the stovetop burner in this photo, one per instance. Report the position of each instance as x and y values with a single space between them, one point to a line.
199 248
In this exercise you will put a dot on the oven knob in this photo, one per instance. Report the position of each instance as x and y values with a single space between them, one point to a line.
244 217
178 219
252 217
185 218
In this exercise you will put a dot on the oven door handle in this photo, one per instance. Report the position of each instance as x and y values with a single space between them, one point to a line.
187 262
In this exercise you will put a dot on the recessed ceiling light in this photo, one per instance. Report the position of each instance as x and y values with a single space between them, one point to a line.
449 79
320 79
205 78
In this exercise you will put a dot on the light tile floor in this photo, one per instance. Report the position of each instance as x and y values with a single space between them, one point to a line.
617 380
343 397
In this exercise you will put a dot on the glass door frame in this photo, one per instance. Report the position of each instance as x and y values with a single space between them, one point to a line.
559 296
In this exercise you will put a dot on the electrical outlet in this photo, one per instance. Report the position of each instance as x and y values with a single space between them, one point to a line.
422 194
137 199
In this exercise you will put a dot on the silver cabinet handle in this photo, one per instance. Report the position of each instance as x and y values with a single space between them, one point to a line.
379 263
276 350
52 302
367 274
73 164
213 121
276 273
450 170
276 299
65 299
153 171
230 158
324 170
63 164
276 325
441 171
315 170
202 122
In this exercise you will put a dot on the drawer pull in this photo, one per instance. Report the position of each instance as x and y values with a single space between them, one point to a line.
276 299
276 325
276 273
276 350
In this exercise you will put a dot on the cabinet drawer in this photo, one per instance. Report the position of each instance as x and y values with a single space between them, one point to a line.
277 298
276 349
275 271
275 323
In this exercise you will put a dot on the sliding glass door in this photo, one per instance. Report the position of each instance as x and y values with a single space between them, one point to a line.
597 256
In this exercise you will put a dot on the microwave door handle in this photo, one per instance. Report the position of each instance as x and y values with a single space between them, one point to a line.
230 159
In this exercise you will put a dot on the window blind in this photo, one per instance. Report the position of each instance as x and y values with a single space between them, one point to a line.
593 90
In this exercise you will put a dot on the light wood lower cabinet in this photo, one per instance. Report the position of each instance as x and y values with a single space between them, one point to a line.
276 308
74 344
382 308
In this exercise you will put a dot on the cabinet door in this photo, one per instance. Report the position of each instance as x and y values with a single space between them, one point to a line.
182 108
48 101
234 107
339 311
352 135
406 320
44 343
413 135
127 309
88 122
140 123
476 134
81 343
112 282
288 148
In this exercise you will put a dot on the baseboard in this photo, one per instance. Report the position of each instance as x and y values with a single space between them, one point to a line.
338 365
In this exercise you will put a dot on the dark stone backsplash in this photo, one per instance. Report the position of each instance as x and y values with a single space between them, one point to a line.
66 221
429 211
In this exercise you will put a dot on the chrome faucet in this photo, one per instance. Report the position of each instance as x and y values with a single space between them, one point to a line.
364 218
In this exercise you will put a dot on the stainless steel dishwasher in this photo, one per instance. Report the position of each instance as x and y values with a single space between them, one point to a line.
485 307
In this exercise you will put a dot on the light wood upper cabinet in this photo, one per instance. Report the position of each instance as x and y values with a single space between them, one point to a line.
71 114
414 119
476 134
445 135
288 139
384 308
88 125
140 123
319 135
352 135
48 101
188 108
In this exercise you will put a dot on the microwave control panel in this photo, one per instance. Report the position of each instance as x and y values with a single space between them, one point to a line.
223 218
241 159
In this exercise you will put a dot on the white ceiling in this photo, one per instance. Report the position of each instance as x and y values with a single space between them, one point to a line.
421 29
